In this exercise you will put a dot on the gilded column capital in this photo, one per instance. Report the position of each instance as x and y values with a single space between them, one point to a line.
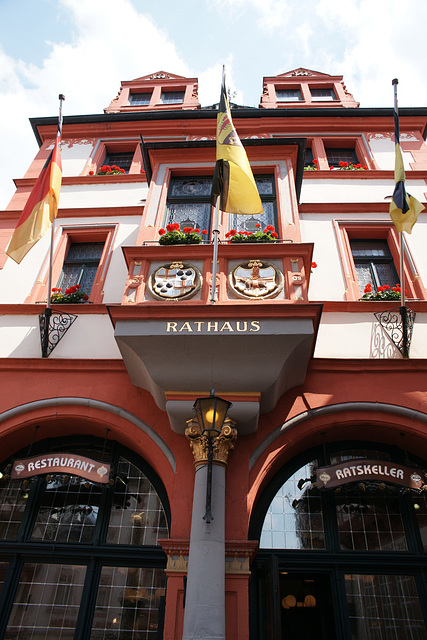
222 443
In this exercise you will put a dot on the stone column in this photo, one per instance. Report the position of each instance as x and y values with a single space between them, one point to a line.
204 616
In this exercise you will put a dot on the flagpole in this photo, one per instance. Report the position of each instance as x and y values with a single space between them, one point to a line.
395 82
61 98
215 252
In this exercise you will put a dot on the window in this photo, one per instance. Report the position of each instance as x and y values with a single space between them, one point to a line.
122 160
374 263
288 95
335 155
172 97
139 99
340 563
63 538
323 94
267 192
308 157
189 202
81 265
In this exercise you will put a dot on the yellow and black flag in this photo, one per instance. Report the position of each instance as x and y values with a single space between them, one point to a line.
404 208
233 179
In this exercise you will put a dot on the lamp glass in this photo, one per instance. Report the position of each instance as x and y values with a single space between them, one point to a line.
211 413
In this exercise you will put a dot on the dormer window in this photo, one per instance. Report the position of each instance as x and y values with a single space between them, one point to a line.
139 99
322 94
288 95
172 97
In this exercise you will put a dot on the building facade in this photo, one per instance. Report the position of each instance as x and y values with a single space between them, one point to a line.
314 372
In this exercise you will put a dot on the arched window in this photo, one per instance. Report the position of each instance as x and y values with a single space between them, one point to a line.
343 563
78 559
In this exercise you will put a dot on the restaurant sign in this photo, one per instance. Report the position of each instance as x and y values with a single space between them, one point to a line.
68 463
370 470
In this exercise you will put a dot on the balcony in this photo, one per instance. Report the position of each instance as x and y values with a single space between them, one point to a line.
252 345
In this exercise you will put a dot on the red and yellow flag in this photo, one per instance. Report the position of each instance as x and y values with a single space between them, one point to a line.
233 178
41 207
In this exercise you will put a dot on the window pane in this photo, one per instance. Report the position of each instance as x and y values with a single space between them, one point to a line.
370 249
12 506
46 603
127 604
337 155
288 95
137 516
364 276
196 215
323 94
384 607
191 187
369 522
386 273
265 186
68 511
294 519
172 97
122 160
139 99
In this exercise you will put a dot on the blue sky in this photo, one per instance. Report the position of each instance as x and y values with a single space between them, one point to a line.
84 48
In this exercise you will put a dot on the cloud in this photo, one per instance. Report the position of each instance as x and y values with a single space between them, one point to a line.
112 42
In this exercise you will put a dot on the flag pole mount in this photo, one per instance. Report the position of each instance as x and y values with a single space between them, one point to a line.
398 325
53 326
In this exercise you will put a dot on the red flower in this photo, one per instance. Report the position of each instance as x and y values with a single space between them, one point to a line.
330 168
187 229
274 234
258 226
233 232
385 287
204 232
364 166
196 230
314 265
162 232
85 297
91 173
269 228
315 161
368 288
172 226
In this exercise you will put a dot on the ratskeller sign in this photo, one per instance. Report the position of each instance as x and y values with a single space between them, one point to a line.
373 470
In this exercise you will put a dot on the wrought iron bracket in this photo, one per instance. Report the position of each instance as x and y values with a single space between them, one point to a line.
53 327
398 325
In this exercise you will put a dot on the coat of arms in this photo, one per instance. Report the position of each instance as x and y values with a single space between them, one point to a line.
174 281
256 279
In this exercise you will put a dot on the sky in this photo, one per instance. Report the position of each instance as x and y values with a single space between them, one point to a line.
85 48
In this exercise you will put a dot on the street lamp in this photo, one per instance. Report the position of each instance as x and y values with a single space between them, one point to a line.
211 413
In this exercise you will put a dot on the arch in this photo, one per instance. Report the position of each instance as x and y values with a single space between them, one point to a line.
90 404
322 424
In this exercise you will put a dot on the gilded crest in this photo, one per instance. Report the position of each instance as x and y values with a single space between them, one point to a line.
256 279
175 281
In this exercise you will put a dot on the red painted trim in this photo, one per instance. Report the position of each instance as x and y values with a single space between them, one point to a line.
28 183
367 174
32 309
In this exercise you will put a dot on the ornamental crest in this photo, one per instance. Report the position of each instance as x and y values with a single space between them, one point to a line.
175 281
256 279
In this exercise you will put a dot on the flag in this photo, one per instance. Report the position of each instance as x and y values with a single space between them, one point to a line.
41 207
233 179
404 208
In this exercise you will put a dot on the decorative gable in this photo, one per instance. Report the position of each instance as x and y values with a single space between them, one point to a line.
160 90
305 88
